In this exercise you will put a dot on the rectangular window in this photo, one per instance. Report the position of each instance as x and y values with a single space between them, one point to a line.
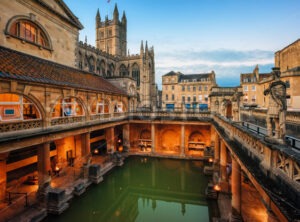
173 97
167 97
200 88
253 88
189 88
194 98
245 88
172 87
205 88
206 98
183 88
183 99
288 100
189 98
287 83
194 88
253 99
200 98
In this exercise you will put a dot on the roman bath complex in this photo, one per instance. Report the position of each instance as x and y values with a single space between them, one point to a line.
77 121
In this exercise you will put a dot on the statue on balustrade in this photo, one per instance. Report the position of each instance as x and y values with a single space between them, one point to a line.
236 106
276 109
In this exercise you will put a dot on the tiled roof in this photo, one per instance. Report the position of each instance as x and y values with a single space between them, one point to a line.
20 66
195 76
172 73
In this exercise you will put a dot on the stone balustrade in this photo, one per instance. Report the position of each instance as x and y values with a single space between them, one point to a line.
273 157
292 117
21 125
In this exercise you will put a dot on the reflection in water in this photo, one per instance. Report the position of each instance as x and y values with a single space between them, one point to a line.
145 189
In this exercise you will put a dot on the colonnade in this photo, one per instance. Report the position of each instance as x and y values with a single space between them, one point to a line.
221 162
81 154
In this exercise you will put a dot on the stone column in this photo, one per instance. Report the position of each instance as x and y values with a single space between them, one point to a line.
110 139
236 187
182 145
217 149
3 176
223 161
153 137
126 137
44 172
85 148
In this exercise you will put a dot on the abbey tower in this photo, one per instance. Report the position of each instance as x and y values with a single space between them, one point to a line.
111 35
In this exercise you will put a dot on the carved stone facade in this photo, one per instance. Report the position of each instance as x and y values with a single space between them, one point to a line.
226 101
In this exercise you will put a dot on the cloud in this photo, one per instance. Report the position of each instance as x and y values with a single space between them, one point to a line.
227 64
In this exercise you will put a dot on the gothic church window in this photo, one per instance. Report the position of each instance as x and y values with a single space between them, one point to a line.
30 32
123 70
136 73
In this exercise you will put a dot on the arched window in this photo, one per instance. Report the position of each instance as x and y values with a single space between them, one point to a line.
80 63
123 70
136 73
28 31
111 70
92 64
67 107
14 107
119 107
103 66
100 106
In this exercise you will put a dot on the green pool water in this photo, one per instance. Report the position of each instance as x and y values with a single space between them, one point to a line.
142 190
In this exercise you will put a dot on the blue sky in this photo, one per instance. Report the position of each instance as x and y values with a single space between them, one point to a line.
197 36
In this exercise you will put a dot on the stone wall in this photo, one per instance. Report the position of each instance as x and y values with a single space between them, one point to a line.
62 35
289 57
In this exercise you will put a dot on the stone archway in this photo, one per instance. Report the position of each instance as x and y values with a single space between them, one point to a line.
170 141
228 109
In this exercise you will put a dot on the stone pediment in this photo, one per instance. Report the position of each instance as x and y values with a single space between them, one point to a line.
56 7
59 8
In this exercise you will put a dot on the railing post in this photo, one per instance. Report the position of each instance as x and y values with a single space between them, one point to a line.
26 200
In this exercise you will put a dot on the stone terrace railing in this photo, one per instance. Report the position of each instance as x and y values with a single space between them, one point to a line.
171 115
277 167
292 117
16 126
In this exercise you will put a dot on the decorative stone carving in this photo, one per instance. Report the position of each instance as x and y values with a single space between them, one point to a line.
276 109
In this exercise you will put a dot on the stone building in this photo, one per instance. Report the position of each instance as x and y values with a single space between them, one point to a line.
61 118
288 57
255 83
190 92
133 73
41 89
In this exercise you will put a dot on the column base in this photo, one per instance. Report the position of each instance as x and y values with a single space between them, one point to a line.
42 193
235 216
